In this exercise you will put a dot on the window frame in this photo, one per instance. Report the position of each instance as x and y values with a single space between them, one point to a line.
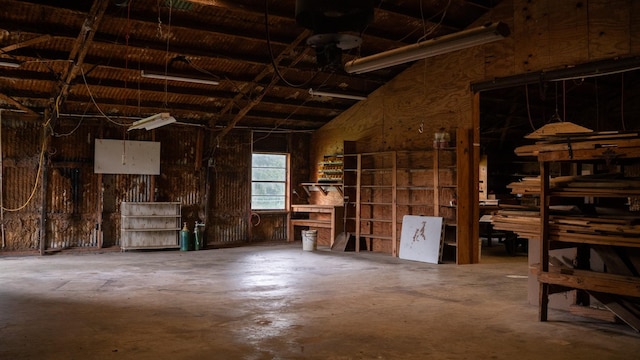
285 182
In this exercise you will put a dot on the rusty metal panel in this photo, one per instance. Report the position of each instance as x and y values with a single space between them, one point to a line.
133 188
230 186
72 208
269 227
73 141
21 195
68 231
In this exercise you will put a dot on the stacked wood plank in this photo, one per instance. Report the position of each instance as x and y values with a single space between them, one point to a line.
614 184
522 220
572 146
529 185
618 231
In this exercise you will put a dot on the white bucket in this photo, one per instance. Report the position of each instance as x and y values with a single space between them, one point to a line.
309 242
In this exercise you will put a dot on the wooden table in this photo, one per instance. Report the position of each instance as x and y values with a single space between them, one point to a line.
319 216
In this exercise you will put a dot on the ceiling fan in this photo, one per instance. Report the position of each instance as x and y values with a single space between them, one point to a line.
330 19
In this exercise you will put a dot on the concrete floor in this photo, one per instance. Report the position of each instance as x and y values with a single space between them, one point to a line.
278 302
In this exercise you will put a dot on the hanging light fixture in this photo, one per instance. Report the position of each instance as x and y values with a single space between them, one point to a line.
150 75
153 122
336 95
9 63
433 47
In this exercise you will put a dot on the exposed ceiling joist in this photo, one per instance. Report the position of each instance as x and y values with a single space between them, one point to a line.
55 42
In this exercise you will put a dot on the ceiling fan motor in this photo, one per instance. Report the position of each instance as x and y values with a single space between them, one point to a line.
329 21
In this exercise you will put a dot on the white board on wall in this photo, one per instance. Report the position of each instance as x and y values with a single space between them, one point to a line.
422 238
127 157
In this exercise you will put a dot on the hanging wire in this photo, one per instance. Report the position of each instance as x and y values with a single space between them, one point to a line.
126 44
597 105
272 57
279 123
526 93
159 29
93 100
166 57
38 173
55 134
556 115
217 77
426 33
624 127
564 101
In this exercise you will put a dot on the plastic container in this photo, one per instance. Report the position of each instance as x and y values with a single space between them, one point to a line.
309 240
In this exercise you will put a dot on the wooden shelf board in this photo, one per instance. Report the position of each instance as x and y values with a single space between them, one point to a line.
608 193
607 240
377 236
146 230
152 216
593 281
415 188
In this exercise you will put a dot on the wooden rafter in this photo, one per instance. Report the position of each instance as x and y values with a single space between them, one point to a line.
36 40
17 104
268 70
79 51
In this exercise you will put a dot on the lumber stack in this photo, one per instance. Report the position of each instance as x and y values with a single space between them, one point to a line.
612 184
529 185
569 146
619 231
522 220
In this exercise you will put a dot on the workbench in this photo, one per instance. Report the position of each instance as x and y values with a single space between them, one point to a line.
317 216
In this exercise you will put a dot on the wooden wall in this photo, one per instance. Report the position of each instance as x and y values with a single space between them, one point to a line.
545 35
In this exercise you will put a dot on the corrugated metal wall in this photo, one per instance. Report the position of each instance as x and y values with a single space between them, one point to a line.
83 208
229 215
22 194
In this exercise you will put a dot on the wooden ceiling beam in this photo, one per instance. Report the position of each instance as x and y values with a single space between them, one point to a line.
17 104
79 51
269 70
33 41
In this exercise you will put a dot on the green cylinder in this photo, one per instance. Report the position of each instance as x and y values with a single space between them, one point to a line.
185 238
197 237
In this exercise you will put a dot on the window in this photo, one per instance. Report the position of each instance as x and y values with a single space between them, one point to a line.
268 181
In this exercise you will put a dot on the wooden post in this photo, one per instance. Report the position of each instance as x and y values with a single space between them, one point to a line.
394 205
45 172
544 239
436 182
358 202
467 208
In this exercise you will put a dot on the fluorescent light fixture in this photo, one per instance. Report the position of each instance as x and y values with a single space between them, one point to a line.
433 47
149 75
336 95
153 122
9 63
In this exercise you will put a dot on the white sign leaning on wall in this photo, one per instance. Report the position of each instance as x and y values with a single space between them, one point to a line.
127 157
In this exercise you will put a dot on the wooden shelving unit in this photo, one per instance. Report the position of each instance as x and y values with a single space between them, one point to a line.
446 195
376 199
324 188
616 285
383 187
415 185
330 168
330 175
